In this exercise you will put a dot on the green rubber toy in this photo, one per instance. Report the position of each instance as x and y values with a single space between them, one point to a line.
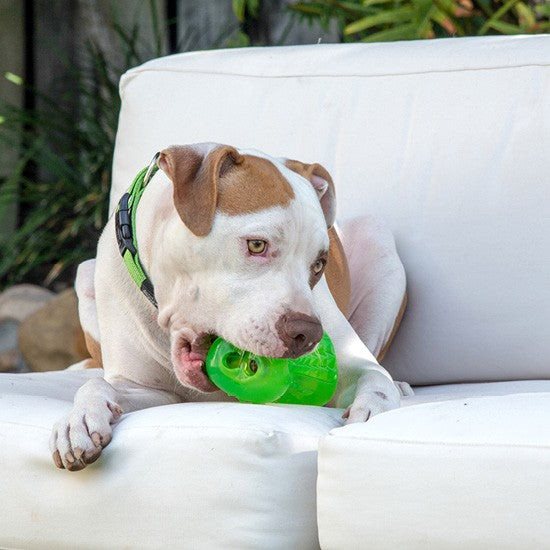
307 380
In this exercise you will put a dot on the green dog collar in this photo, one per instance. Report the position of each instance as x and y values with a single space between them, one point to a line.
125 221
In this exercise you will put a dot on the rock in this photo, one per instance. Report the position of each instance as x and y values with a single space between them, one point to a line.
16 304
10 358
20 301
52 338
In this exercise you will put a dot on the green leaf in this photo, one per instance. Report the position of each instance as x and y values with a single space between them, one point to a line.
424 12
241 7
496 16
306 8
238 9
526 16
506 28
443 19
402 32
13 78
445 6
253 7
239 40
375 2
390 16
355 10
543 9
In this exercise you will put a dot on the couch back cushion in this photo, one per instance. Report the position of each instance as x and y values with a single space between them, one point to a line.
447 141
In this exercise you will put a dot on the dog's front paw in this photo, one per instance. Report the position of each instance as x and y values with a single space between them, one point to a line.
404 389
78 439
366 406
375 394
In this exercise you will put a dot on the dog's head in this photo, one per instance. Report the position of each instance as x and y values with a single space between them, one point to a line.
243 245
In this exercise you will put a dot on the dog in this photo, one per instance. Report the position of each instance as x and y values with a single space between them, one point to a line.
236 244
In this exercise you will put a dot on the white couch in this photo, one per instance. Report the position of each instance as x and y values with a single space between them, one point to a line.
448 142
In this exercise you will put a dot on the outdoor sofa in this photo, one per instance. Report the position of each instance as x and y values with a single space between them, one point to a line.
448 142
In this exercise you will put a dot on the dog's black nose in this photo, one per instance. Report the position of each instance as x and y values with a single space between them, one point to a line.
299 332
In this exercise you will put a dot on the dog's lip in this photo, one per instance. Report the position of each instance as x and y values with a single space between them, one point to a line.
189 358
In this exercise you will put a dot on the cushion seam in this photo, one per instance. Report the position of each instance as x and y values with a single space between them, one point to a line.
134 72
201 427
441 443
228 428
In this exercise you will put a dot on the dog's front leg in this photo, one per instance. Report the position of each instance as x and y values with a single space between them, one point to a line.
364 387
78 439
373 395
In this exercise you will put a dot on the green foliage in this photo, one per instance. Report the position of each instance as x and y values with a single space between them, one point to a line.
62 180
63 177
245 11
244 8
383 20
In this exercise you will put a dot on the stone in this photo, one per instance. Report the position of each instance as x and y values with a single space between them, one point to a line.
20 301
10 358
52 338
16 304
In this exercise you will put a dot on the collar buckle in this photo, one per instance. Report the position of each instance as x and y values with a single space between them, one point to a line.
124 228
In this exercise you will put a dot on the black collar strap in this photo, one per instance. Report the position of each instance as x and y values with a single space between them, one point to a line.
125 222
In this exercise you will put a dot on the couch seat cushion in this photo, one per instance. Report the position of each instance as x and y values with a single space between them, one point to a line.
195 475
465 466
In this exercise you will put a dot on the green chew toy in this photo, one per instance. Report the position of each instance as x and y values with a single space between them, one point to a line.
307 380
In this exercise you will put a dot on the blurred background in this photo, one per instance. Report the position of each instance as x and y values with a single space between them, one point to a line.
60 62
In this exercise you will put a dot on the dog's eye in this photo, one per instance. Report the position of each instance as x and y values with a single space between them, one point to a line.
319 265
256 246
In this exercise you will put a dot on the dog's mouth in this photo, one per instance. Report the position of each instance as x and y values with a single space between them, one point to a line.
189 354
189 359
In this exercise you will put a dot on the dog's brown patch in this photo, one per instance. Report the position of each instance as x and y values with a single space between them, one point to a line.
398 320
94 347
337 273
252 185
316 173
79 342
194 192
337 269
222 180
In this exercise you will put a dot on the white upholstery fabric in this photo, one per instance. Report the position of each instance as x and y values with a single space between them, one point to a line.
457 473
446 141
195 475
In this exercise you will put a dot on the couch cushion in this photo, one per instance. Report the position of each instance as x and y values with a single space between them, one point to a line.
195 475
469 473
446 141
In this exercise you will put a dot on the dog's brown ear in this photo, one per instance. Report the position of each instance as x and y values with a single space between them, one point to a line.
321 181
195 177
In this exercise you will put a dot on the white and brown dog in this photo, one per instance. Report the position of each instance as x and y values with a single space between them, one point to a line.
243 246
